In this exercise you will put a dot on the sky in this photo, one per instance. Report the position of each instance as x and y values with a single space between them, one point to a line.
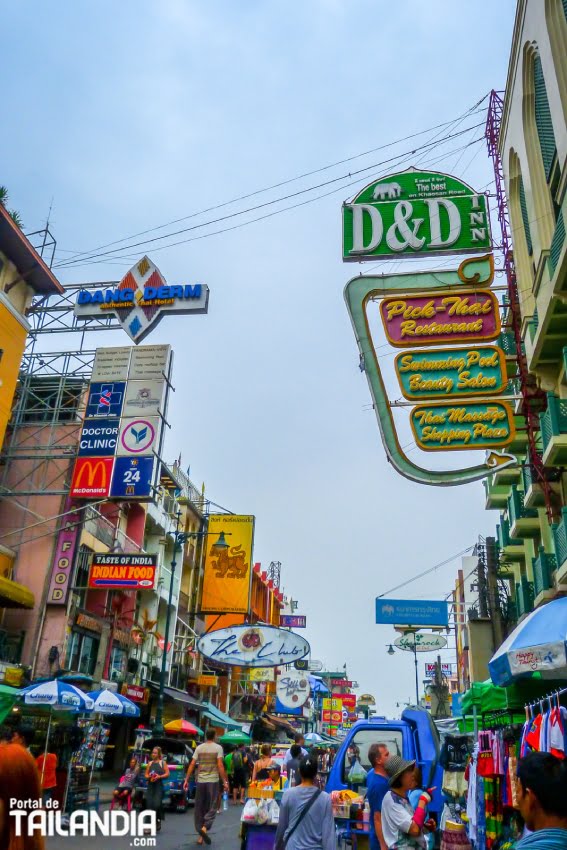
124 116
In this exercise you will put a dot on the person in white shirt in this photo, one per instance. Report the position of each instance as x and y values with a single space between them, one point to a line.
300 741
402 827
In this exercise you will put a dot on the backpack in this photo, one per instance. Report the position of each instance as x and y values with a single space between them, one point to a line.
237 762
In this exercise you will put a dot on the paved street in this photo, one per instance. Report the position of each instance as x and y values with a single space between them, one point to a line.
177 833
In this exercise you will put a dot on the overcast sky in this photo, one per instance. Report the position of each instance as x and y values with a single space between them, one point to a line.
129 115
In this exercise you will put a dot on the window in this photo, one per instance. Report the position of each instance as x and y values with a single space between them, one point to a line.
543 120
363 739
117 663
82 653
82 574
525 219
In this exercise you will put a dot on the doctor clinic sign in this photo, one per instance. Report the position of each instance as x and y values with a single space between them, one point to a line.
415 212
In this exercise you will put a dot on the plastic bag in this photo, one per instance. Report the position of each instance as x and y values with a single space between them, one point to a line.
274 811
263 813
357 774
250 811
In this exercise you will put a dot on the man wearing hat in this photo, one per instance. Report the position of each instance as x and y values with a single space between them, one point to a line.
402 826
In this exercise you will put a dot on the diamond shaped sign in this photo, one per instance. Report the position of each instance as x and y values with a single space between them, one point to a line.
140 300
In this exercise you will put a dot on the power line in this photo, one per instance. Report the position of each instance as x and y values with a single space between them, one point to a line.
426 572
95 255
472 111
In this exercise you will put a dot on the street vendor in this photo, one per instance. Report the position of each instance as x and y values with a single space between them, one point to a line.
275 777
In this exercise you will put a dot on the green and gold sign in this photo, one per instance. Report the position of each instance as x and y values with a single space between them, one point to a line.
415 212
434 374
462 425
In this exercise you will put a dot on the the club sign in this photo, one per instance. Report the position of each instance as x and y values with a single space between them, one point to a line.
253 646
415 212
465 425
435 374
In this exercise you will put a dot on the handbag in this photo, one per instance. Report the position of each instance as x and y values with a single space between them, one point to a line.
302 814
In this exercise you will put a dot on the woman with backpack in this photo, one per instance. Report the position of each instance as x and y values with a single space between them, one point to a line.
306 815
239 773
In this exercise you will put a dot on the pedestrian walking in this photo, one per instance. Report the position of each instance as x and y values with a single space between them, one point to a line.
156 771
401 825
306 815
19 780
262 766
47 766
292 766
239 774
542 791
208 761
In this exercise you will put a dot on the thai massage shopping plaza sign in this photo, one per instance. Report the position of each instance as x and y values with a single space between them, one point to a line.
415 212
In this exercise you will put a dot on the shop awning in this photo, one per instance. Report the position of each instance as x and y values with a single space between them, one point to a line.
14 595
283 724
8 697
219 718
181 696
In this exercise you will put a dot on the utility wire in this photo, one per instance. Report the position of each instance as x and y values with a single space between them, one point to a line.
472 111
426 572
436 143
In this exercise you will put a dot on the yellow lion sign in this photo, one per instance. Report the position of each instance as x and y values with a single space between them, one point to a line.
233 565
226 583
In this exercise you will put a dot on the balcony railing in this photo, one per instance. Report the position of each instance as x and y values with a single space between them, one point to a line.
507 343
559 531
107 533
524 597
516 508
544 566
557 243
553 421
503 535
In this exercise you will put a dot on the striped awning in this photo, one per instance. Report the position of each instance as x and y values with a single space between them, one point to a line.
14 595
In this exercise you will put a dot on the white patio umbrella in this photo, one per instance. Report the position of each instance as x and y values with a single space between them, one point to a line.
108 702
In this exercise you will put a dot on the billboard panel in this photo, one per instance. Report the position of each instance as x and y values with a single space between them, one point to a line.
91 477
132 477
408 612
226 583
12 344
117 571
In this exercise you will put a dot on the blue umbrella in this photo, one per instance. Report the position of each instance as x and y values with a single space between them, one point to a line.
317 685
56 694
537 645
108 702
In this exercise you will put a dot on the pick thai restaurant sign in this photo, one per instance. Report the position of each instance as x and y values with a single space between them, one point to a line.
415 212
253 646
440 319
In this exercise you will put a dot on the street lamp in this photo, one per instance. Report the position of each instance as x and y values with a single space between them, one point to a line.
391 651
179 538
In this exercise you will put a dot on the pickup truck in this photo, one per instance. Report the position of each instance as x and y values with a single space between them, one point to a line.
413 736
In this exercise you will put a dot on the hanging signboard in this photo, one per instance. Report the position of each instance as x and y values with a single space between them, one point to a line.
431 667
293 621
228 555
141 299
440 318
465 425
65 548
253 646
292 689
415 212
420 642
115 571
409 612
434 374
98 437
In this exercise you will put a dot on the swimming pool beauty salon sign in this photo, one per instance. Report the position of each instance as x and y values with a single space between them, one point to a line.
141 299
415 212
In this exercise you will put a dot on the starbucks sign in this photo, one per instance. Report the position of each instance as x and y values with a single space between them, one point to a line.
415 212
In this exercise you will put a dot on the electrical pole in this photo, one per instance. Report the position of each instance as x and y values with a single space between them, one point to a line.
482 587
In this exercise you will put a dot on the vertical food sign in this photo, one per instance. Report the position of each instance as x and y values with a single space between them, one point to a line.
443 321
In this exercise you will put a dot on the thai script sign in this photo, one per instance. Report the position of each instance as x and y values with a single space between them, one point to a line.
64 556
415 212
433 374
253 646
465 425
114 571
141 299
441 318
411 613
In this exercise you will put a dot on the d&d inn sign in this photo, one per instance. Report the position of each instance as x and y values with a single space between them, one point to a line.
140 300
415 212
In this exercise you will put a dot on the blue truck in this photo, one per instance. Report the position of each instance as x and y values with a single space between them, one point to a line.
413 736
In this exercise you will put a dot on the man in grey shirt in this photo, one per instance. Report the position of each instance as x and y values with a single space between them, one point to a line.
300 828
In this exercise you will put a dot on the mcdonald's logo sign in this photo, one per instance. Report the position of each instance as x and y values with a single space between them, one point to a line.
92 477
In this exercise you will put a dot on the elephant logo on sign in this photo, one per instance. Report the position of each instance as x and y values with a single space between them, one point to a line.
387 190
231 566
387 609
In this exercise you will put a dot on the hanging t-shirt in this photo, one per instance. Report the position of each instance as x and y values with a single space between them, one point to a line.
534 733
454 753
556 734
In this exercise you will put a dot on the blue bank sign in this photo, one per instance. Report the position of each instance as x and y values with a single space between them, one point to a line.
141 299
408 612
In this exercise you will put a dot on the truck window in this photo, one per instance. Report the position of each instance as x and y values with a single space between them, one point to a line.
364 738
